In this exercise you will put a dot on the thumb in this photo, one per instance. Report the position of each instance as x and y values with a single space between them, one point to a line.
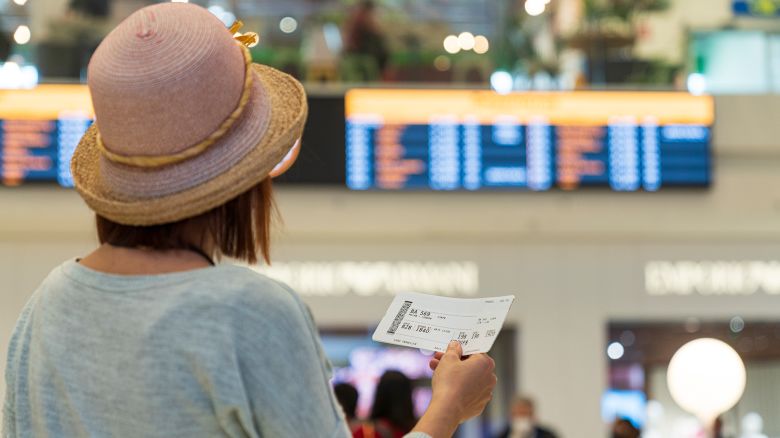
454 348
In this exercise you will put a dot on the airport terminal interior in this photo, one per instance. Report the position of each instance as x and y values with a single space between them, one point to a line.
612 164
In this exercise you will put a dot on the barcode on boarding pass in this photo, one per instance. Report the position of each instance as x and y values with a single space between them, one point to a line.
398 318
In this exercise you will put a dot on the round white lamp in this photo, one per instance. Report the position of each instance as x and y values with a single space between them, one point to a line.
706 377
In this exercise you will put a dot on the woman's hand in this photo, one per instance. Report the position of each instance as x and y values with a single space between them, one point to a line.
466 384
461 389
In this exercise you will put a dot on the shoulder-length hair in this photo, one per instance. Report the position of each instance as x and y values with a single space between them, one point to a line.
239 228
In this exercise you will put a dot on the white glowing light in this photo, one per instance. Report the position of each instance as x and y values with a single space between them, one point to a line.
180 1
535 7
466 40
737 324
501 81
226 17
20 2
10 74
706 377
697 84
481 44
452 44
14 76
615 350
10 68
288 24
22 35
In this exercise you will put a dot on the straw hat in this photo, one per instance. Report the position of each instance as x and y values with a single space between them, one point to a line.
184 120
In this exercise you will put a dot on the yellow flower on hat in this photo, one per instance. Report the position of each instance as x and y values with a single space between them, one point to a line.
249 39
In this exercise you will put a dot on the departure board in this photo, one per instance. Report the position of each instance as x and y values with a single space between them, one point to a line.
478 139
39 130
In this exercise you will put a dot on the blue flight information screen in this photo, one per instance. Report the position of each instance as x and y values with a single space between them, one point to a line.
39 130
39 150
473 140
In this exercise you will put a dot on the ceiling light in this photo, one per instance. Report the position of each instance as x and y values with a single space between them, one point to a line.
481 44
451 44
22 35
466 40
288 24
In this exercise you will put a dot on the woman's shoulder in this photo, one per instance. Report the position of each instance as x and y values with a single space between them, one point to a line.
231 305
225 283
248 289
243 278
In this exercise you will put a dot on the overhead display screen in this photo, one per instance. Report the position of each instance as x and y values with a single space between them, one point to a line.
475 139
39 130
429 139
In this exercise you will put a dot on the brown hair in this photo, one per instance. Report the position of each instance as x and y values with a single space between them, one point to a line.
239 228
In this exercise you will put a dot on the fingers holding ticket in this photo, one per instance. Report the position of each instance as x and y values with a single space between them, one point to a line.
462 387
466 384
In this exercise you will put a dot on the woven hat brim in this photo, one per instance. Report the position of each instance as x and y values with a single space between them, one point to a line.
288 111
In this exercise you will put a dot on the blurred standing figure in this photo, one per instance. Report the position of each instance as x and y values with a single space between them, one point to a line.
5 46
623 428
718 428
523 423
364 37
347 395
392 415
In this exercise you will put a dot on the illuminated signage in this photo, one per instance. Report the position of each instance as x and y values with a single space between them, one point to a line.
376 278
712 278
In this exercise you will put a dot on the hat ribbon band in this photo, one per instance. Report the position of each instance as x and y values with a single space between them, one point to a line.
197 149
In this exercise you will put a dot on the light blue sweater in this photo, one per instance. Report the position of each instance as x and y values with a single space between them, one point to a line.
219 351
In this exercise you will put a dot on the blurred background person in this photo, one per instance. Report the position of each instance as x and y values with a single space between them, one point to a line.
623 428
5 46
752 426
365 42
392 414
524 423
723 429
347 395
718 428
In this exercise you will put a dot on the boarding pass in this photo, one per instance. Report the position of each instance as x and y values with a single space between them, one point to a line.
430 322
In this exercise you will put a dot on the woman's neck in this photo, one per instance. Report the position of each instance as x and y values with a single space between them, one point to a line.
135 261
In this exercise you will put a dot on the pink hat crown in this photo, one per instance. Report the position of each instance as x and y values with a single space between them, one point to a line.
164 80
185 120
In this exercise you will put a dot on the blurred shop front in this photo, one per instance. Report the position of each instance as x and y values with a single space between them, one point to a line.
573 301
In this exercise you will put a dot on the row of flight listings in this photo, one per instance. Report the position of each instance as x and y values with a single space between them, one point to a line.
473 140
622 141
